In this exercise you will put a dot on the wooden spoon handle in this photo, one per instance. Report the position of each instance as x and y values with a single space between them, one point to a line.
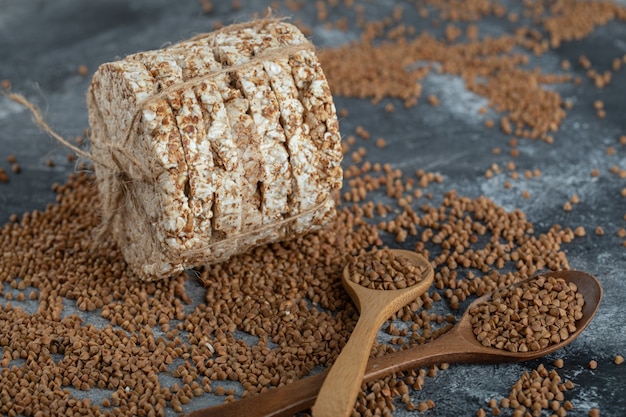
287 400
338 393
284 401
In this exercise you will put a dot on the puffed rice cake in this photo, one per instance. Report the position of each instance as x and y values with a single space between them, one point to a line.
230 140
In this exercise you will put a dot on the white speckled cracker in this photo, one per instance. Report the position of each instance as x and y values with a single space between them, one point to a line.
228 172
192 124
275 184
302 151
225 149
316 98
126 85
315 145
248 142
161 128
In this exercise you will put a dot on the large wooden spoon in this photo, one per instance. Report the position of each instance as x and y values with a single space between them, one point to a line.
456 346
338 393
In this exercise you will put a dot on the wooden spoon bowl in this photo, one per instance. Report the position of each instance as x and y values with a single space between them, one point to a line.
459 345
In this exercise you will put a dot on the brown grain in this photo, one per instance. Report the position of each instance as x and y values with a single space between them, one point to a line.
319 257
207 6
384 270
529 317
259 292
536 391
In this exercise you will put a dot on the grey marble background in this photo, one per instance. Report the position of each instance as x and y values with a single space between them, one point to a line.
42 43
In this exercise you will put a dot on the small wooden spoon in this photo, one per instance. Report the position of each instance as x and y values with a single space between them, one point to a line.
341 387
456 346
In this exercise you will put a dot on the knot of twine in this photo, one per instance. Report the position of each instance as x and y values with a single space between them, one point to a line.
121 174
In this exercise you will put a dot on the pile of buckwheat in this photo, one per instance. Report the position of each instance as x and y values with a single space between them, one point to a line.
533 393
384 270
278 313
530 316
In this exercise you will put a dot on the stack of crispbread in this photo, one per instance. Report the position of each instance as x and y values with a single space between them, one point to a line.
226 141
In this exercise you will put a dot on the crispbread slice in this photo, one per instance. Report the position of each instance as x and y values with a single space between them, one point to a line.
302 151
317 157
168 150
315 95
116 94
248 139
228 171
192 124
275 184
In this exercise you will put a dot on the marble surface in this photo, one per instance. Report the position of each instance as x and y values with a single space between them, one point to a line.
42 44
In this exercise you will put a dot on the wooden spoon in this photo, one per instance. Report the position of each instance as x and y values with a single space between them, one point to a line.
338 393
456 346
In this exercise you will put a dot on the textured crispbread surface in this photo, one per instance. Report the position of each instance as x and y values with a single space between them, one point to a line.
227 141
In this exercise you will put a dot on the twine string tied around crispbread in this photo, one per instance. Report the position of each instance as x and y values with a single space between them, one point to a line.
124 169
